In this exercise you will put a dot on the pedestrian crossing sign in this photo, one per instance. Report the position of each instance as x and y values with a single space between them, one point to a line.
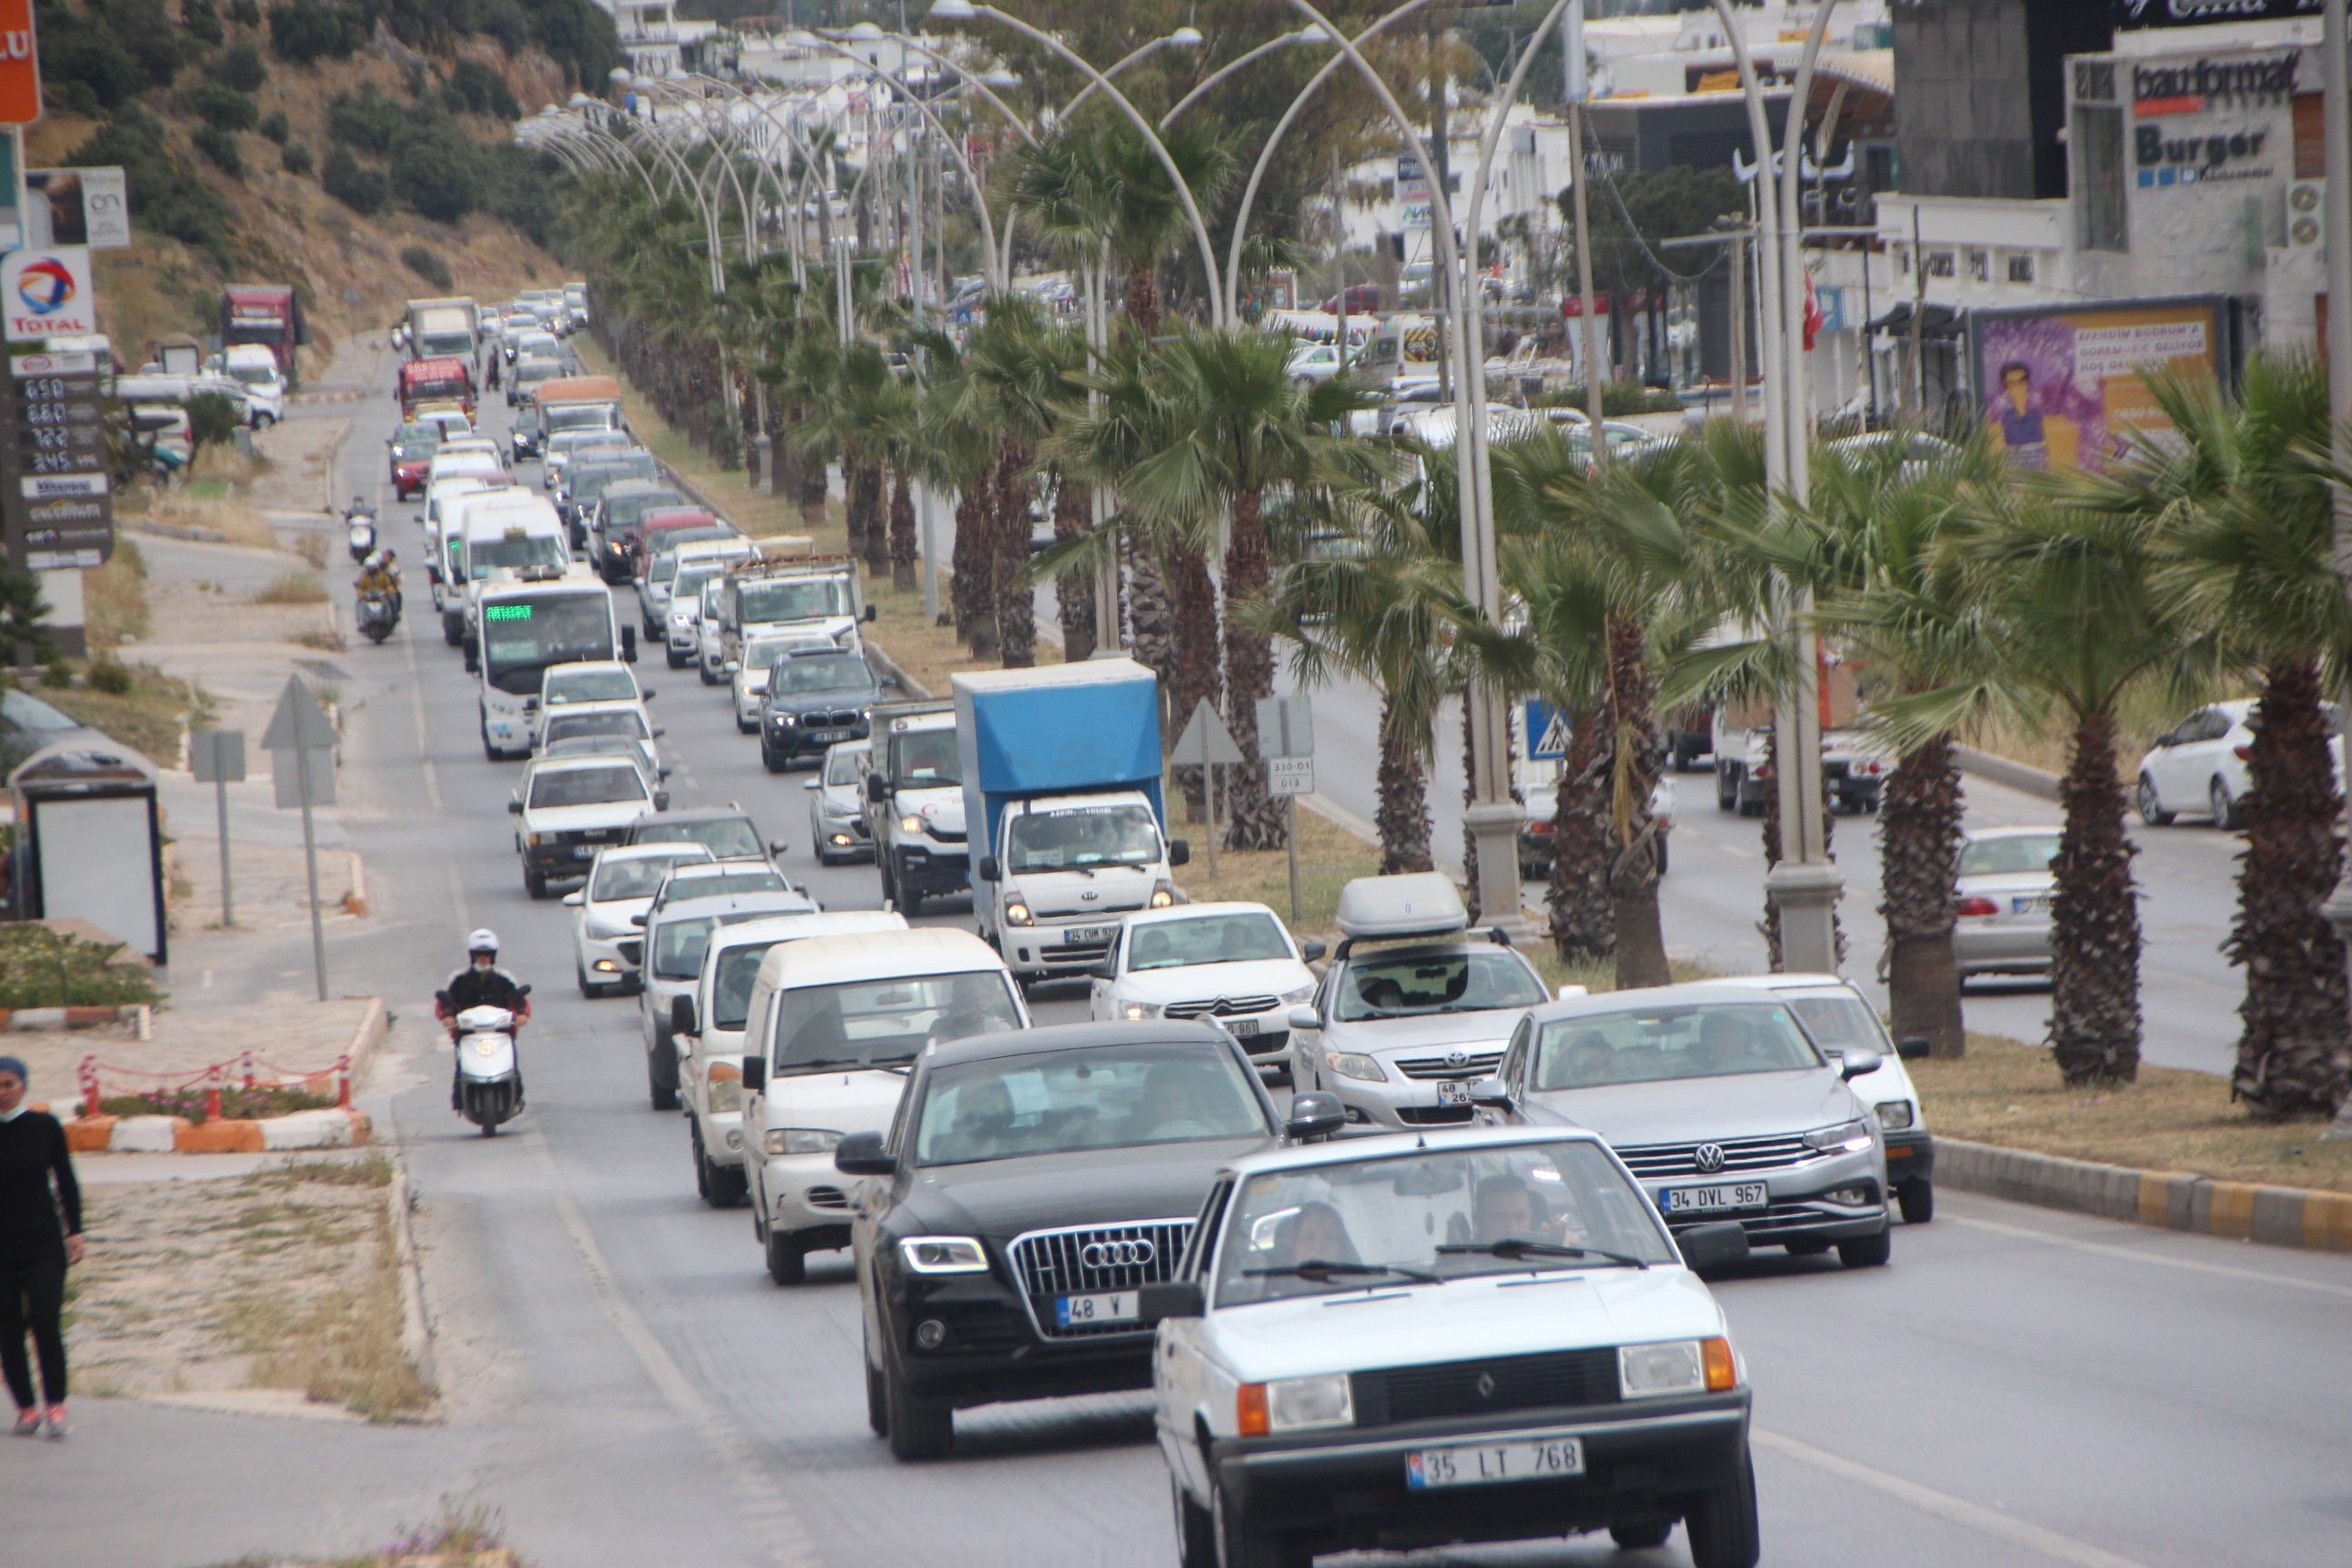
1547 731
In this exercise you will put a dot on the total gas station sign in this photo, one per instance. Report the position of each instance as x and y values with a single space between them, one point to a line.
48 293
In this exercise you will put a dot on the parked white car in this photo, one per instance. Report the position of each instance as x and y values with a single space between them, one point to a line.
1446 1401
2199 767
1234 963
608 935
837 829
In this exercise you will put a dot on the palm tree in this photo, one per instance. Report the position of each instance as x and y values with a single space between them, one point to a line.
954 452
1025 374
2070 610
1374 600
1238 426
2242 492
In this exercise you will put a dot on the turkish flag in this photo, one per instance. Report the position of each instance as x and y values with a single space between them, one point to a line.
1813 316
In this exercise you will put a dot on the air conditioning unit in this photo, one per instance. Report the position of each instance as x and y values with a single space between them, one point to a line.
2306 215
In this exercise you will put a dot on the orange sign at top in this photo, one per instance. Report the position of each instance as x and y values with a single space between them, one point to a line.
20 65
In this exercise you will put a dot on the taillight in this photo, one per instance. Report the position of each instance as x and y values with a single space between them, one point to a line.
1540 828
2241 752
1977 907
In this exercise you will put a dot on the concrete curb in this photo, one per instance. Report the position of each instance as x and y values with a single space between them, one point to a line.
879 657
2166 1200
2018 776
68 1017
373 1024
332 1127
416 1331
355 902
187 532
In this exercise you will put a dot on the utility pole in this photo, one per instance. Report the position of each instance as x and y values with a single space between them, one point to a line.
1579 85
2336 123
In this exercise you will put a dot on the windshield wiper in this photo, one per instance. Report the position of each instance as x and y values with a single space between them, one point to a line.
1322 1268
1516 1247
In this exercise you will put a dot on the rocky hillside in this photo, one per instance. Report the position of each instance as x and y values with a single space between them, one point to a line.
358 149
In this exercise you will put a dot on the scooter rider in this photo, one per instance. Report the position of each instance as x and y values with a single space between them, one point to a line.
481 983
376 576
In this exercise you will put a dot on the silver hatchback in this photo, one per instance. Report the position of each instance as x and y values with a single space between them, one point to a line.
2005 888
1719 1103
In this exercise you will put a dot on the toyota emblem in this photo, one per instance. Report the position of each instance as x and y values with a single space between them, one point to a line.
1709 1157
1486 1385
1117 1253
1458 1059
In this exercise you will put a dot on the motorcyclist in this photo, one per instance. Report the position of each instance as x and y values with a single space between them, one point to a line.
376 576
390 559
358 508
481 983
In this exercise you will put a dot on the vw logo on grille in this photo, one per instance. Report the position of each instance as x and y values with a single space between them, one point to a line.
1458 1059
1709 1157
1486 1385
1117 1253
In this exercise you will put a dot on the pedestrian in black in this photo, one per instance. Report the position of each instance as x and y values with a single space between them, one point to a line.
40 1236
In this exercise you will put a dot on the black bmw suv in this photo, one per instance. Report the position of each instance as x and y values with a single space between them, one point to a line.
815 699
1031 1184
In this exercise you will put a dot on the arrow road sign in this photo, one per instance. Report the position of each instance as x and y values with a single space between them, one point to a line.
298 721
1206 740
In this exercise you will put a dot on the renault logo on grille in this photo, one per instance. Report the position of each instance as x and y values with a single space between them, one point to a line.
1709 1157
1486 1385
1117 1253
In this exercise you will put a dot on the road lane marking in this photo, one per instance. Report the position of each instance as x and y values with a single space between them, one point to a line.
1926 1500
788 1538
2133 1255
416 708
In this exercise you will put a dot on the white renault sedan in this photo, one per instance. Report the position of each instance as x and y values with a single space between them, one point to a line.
1229 962
1395 1342
608 913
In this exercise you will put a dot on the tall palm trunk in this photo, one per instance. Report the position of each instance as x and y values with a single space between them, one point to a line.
902 534
1403 816
1469 799
1638 756
1075 599
1194 597
1016 613
2094 1020
1583 925
972 591
876 483
857 500
1257 818
2292 1055
1918 839
1151 616
1143 301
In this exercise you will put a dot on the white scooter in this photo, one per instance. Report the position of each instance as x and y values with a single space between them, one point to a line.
359 532
489 1073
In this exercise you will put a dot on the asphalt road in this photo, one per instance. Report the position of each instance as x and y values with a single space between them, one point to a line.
2018 1388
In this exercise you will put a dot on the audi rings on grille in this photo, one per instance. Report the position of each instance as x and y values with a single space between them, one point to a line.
1117 1253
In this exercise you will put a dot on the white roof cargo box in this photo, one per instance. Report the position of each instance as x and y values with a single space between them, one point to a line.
1419 903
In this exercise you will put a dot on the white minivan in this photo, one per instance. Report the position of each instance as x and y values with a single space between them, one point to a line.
707 1033
832 1026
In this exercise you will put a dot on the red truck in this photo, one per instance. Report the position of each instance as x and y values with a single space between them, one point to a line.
426 380
266 313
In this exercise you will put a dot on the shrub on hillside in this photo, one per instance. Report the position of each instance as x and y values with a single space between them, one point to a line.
295 159
517 185
108 675
245 12
202 20
84 67
274 126
303 31
221 106
427 264
578 34
433 170
362 189
239 65
475 88
366 120
165 198
220 150
148 32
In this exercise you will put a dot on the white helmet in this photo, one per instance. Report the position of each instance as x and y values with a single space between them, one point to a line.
482 940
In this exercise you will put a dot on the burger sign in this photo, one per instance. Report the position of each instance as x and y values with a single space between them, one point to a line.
48 293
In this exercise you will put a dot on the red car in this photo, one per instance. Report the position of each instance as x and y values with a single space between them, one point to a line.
412 458
666 520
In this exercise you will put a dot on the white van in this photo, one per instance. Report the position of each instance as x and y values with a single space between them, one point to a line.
707 1032
831 1027
254 367
1402 352
518 532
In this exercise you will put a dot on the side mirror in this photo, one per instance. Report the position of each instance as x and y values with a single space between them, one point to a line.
1712 1246
574 900
811 783
660 731
638 921
862 1154
868 616
1104 970
1912 1048
990 869
1315 1115
522 990
1183 1298
647 694
1312 951
1491 1092
681 1015
628 644
514 808
732 667
663 773
1858 1063
777 846
877 788
661 800
1570 993
1179 853
755 1074
1306 1018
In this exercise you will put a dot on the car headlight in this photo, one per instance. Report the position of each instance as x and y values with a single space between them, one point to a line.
1896 1114
1299 997
1846 1138
1294 1404
599 931
799 1141
533 839
1016 913
784 718
1162 894
1348 1064
1678 1367
726 1093
910 824
944 1254
1136 1012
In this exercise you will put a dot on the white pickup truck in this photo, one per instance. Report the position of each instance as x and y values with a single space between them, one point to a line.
1855 765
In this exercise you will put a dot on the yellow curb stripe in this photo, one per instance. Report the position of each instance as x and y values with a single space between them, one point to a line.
2155 1199
2233 1211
